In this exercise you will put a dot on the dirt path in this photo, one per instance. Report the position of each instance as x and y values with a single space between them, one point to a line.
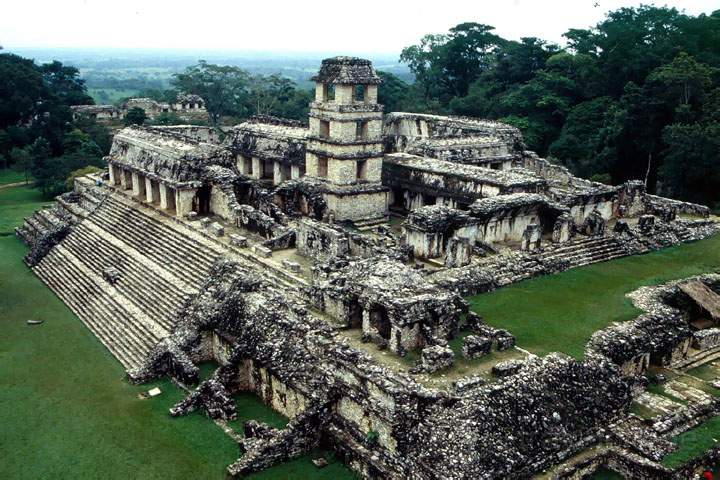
17 184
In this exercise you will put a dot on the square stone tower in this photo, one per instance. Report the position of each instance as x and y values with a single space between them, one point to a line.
345 146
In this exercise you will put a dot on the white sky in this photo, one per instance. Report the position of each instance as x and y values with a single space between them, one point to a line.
360 26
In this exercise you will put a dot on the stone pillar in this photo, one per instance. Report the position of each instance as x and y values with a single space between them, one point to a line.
123 179
164 196
184 201
562 230
294 171
256 167
111 171
594 225
137 188
531 238
149 191
277 173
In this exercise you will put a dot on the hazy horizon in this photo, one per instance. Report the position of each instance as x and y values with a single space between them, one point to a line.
281 28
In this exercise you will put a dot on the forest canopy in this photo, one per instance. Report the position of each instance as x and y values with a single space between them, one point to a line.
635 97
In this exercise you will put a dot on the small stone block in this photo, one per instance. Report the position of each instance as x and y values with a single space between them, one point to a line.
290 265
191 216
217 229
262 251
205 222
238 240
320 462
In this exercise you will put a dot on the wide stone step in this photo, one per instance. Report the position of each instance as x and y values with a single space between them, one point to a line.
150 283
597 254
172 254
155 231
137 323
159 303
109 321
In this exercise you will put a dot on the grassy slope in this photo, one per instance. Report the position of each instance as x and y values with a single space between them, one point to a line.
67 412
561 312
8 175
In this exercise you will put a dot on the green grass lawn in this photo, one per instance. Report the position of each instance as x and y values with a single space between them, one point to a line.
694 443
17 203
66 411
8 175
605 474
560 312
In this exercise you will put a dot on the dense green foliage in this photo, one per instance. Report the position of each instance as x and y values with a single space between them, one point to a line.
38 135
236 94
135 116
637 96
559 313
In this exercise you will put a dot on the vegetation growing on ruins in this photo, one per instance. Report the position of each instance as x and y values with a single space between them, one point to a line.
559 313
635 96
60 370
694 443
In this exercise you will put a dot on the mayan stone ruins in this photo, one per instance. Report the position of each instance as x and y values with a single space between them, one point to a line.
324 267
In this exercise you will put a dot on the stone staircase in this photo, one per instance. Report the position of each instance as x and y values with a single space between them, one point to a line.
575 253
697 358
126 269
585 250
158 266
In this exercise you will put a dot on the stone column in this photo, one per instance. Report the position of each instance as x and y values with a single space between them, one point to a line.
123 179
184 201
149 191
294 171
111 171
136 187
163 196
277 173
563 228
256 167
531 238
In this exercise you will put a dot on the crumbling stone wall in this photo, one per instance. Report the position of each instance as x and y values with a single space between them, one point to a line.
661 336
514 427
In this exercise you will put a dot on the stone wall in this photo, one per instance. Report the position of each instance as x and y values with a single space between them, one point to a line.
321 241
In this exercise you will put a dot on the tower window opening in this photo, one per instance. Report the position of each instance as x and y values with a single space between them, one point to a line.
362 169
361 131
359 93
324 129
322 167
323 87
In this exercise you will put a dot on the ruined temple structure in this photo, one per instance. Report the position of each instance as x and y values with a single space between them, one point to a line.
187 107
322 266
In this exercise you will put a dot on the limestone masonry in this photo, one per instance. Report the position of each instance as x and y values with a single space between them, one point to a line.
323 266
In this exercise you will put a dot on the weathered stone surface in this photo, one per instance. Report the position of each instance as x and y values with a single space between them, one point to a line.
475 346
507 368
435 358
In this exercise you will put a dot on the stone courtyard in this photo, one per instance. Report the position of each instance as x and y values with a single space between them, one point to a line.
324 266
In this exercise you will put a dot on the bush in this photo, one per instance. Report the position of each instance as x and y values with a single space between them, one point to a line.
601 178
80 173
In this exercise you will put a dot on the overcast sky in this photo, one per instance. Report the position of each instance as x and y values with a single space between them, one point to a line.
360 26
